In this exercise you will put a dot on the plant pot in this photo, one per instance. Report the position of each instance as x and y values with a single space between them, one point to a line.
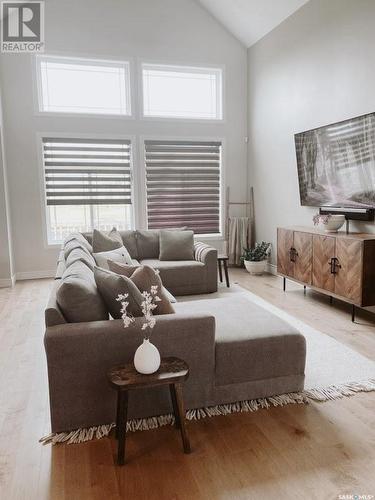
146 358
334 223
255 267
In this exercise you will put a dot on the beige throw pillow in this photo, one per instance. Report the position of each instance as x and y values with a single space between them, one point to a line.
118 255
176 245
104 242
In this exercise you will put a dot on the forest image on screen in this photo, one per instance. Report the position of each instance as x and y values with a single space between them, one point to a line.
336 164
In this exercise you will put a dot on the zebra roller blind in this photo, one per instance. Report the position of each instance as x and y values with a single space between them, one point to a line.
183 185
87 171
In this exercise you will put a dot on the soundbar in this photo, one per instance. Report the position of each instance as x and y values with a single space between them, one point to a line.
351 213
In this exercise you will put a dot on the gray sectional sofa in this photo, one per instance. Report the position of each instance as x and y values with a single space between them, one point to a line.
235 349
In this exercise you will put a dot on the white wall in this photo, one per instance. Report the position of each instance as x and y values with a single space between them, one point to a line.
162 30
316 68
6 258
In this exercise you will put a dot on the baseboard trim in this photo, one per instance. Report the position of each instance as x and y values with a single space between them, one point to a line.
272 269
7 282
33 275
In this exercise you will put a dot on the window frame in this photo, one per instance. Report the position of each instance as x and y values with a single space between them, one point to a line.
172 65
38 91
143 180
44 208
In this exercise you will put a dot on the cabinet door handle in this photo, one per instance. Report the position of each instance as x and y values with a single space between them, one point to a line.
293 254
334 263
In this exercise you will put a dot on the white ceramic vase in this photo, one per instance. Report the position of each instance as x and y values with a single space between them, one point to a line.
256 268
146 358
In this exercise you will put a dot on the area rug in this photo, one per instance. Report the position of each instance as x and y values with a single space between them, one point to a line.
333 371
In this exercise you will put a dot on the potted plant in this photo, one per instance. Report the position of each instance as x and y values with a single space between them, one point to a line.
331 222
255 259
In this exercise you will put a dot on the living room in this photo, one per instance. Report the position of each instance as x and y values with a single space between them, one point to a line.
187 199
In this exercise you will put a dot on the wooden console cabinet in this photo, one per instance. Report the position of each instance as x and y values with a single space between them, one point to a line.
338 264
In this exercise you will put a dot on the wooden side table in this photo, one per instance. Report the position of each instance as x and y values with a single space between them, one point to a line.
223 259
172 372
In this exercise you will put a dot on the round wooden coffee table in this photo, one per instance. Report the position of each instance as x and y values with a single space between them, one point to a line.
172 372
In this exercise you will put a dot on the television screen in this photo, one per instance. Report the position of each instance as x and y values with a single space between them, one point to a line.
336 164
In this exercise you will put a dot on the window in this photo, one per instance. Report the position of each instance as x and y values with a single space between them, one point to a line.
87 185
83 86
182 92
183 185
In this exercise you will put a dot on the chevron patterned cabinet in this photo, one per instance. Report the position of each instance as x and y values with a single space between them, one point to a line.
337 264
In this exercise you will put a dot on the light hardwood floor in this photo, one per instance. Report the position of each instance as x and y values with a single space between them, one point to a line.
296 452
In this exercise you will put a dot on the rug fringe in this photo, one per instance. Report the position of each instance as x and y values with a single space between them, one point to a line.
142 424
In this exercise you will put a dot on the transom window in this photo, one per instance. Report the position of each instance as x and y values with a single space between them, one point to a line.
182 92
87 184
83 86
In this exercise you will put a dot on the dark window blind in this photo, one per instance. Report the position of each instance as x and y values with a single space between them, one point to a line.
87 171
183 185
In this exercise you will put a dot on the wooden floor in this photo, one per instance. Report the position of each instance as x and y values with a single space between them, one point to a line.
317 451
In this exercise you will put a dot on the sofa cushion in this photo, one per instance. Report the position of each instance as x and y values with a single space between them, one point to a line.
130 242
78 254
79 236
250 342
176 245
118 255
78 297
147 244
177 274
111 285
103 242
72 245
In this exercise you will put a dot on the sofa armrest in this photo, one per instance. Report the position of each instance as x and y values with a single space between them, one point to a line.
205 253
79 356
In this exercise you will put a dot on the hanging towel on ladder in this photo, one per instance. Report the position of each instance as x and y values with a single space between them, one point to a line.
239 238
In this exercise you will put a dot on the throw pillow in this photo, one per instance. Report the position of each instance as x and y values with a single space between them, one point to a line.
118 255
104 242
145 277
78 297
111 285
176 245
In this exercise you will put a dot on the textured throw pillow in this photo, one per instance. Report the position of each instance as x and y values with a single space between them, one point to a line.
145 277
176 245
104 242
79 254
111 285
118 255
78 296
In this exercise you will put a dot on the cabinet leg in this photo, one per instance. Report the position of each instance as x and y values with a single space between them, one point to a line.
353 313
284 284
304 289
330 299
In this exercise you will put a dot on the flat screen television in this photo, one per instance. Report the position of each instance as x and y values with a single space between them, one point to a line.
336 164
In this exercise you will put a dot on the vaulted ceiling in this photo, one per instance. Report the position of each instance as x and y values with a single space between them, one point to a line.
250 20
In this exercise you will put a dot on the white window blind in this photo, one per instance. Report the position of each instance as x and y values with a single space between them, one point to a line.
183 185
87 171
